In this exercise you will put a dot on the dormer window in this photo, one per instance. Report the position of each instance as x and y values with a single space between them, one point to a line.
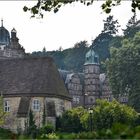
96 59
36 105
87 58
6 106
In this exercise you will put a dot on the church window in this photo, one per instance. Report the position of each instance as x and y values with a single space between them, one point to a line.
36 105
6 106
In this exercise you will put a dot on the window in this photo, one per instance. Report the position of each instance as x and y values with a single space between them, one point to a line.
96 59
36 105
6 106
76 100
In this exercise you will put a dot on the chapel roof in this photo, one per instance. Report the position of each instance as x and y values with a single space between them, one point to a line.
31 77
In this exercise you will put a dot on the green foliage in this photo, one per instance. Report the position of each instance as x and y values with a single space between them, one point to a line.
49 136
7 134
132 27
110 26
44 117
117 131
55 5
66 59
2 113
106 39
47 129
70 120
105 114
32 128
124 68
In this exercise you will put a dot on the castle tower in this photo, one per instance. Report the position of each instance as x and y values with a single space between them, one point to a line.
91 79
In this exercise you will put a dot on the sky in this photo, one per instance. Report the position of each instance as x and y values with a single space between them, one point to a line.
71 24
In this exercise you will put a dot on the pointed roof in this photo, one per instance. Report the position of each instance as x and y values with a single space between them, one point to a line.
91 57
4 35
31 77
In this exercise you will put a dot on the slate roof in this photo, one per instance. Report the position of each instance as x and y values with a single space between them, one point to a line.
31 77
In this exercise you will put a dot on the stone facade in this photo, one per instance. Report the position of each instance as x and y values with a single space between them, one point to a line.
90 85
20 123
29 84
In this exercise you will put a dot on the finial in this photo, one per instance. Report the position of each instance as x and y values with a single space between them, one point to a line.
1 22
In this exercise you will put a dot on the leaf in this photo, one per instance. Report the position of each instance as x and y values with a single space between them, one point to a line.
25 8
88 3
55 10
108 10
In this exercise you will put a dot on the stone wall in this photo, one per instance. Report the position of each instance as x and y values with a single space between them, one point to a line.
11 117
16 124
91 84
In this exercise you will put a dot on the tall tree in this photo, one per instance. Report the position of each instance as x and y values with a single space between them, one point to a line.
124 68
110 26
132 27
102 41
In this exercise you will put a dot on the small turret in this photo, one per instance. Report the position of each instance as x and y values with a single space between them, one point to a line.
91 57
13 33
14 38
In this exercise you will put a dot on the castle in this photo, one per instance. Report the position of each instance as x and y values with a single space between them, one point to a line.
34 83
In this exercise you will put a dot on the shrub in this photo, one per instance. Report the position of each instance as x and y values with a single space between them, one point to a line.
49 136
47 129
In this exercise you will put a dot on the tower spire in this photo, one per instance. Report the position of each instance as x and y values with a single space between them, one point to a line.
1 22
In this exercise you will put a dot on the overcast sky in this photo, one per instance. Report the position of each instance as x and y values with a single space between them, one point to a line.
73 23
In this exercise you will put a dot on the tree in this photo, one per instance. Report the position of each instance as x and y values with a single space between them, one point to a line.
2 113
101 44
32 128
106 113
110 26
124 67
55 5
70 120
132 27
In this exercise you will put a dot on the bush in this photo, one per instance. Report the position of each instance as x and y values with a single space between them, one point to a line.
49 136
47 129
105 114
6 134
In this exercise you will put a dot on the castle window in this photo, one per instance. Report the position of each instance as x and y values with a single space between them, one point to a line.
36 105
6 106
96 59
76 100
